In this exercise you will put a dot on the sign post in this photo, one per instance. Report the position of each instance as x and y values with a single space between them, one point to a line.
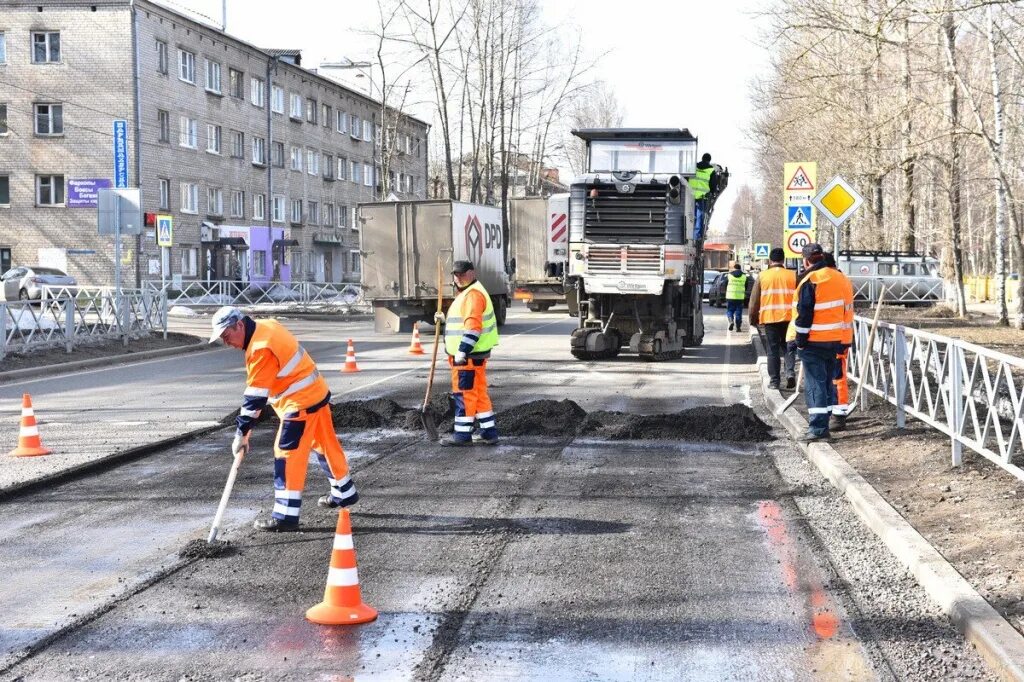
762 250
119 212
837 201
164 239
800 180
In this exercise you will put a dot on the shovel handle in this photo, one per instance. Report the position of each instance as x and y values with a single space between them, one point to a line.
219 516
437 333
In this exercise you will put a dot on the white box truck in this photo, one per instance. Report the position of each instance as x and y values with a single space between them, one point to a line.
538 249
400 243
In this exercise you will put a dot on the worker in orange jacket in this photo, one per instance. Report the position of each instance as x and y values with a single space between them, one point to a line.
771 307
841 407
470 332
280 372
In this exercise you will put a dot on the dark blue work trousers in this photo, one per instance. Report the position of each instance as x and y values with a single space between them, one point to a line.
734 311
819 363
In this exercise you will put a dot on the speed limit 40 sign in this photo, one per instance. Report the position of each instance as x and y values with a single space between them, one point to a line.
795 242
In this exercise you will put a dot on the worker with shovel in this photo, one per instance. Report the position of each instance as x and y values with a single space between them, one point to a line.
470 332
281 373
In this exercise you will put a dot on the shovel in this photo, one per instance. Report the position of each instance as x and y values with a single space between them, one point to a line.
427 418
219 516
796 391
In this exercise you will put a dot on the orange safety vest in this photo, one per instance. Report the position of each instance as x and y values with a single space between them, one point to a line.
848 309
834 297
777 288
287 376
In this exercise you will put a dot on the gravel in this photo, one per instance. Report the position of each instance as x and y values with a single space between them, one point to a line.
201 549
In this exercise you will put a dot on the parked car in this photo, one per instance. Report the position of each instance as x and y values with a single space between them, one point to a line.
26 283
709 278
716 296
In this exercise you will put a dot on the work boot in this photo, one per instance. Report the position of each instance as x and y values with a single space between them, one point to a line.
773 384
478 439
812 438
328 502
730 326
273 525
450 442
838 423
790 381
739 327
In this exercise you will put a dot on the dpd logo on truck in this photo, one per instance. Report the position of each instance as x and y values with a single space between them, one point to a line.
480 237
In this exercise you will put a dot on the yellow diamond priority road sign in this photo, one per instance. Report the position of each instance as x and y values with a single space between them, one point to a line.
837 200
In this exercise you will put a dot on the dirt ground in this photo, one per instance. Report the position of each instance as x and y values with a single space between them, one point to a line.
971 514
98 349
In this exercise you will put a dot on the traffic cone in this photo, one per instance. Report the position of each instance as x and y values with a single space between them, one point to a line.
29 444
343 603
415 348
350 359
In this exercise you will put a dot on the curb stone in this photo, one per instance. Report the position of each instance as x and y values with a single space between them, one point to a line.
996 640
62 367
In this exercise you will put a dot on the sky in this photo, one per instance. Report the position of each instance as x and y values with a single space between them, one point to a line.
680 63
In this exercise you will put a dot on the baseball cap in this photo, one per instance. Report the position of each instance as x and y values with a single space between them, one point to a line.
224 318
812 249
460 267
777 255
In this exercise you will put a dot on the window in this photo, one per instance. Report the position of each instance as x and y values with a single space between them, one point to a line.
277 99
367 175
49 119
343 216
189 197
888 269
238 204
215 201
256 91
313 213
311 110
163 124
342 168
186 66
259 151
296 210
312 162
165 193
325 115
259 206
277 209
355 265
355 172
328 214
161 57
49 190
3 120
910 270
356 127
354 218
328 167
236 83
237 144
296 159
5 190
46 47
188 135
213 76
189 260
259 263
213 138
342 122
367 131
296 107
277 154
377 137
417 147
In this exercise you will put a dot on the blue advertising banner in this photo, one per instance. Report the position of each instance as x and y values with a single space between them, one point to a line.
120 153
84 192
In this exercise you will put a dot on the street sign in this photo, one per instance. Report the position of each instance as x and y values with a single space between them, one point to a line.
796 240
762 249
837 201
119 210
120 153
799 179
164 230
798 217
83 192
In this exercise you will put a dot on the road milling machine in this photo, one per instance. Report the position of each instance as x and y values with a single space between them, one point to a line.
636 265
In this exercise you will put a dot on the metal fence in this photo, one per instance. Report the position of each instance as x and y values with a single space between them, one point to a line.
270 294
70 316
905 290
972 394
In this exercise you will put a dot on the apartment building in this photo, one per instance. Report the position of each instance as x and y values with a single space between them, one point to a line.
260 162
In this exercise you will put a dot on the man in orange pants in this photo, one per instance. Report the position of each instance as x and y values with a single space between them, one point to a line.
280 372
470 332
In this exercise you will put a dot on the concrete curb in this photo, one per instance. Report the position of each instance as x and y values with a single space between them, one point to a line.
996 640
62 367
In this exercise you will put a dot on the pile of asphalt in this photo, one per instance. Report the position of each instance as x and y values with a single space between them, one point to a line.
716 423
201 549
556 418
356 415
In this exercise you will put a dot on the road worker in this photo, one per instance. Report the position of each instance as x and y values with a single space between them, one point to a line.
820 312
703 182
735 293
470 332
281 373
841 408
771 306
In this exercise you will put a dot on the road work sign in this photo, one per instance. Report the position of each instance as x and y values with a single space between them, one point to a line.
837 200
762 249
164 230
800 179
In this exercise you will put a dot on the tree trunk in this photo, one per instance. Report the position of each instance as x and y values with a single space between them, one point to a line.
955 171
1000 241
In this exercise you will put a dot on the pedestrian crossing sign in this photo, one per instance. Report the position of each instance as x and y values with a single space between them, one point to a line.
762 249
164 230
798 217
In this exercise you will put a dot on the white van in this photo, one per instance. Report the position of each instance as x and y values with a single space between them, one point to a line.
908 278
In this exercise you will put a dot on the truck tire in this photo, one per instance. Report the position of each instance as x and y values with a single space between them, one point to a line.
500 310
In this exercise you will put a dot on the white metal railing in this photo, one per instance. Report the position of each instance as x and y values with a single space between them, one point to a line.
274 294
972 394
898 289
69 316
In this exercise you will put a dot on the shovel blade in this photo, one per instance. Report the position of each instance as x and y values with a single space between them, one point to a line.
429 424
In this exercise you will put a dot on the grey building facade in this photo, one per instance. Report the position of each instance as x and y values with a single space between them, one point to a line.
227 138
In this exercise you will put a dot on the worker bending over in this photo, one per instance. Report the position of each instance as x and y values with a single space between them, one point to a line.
470 332
281 373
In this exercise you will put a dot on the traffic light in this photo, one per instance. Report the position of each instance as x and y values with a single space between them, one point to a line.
149 219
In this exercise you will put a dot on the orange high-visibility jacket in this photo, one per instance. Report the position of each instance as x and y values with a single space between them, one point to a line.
777 286
820 306
280 371
848 310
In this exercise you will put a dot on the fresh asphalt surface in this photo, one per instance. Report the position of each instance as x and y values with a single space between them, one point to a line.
539 559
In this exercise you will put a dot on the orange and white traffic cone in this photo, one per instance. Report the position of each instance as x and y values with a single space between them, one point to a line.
350 359
29 444
415 348
343 603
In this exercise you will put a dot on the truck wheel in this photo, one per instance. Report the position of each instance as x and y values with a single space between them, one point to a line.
500 310
534 307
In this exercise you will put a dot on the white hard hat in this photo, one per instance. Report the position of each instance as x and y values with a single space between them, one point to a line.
225 317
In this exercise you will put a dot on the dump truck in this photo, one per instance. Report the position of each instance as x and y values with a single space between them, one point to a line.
538 249
636 263
401 241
